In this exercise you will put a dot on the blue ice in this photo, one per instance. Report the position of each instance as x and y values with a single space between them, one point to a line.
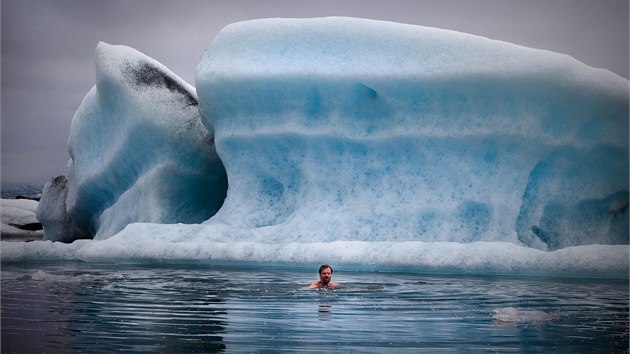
337 128
139 152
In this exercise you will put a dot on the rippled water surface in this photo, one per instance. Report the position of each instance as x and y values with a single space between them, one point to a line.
77 307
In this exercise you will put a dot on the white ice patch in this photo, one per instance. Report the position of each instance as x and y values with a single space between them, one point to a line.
511 315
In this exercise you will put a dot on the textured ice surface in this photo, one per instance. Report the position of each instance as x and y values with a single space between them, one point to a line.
138 149
356 142
347 129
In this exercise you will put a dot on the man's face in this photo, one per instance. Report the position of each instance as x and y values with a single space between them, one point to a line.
325 275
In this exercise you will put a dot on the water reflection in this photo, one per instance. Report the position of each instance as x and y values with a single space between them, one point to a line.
34 320
325 311
195 309
165 314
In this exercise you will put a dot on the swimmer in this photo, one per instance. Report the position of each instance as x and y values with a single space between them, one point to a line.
325 277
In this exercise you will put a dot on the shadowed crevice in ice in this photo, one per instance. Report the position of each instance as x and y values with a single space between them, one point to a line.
575 195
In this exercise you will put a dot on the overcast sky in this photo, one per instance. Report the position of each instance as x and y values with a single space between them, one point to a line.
48 48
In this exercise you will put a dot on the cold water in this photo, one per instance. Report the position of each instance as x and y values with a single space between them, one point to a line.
194 308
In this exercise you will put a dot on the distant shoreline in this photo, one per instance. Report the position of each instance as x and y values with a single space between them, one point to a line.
21 191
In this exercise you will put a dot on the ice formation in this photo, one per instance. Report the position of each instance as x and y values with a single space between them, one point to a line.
346 129
511 315
51 212
19 221
358 142
139 152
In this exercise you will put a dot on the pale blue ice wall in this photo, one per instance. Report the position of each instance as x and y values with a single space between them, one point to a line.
139 152
348 129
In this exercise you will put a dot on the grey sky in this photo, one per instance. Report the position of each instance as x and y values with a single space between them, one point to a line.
48 48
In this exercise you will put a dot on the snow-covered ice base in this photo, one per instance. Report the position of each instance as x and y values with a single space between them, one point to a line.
177 243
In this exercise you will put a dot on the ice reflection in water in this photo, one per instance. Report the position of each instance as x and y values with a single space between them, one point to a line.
192 309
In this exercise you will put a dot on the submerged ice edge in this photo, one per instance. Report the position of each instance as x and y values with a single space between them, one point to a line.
473 258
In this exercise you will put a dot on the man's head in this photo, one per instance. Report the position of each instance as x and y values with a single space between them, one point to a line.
325 274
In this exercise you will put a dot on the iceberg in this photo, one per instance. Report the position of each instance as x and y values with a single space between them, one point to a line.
139 152
347 129
353 141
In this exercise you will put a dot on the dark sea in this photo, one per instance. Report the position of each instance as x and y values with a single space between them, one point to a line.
77 307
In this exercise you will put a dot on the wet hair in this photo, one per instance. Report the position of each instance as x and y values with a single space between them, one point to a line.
324 266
